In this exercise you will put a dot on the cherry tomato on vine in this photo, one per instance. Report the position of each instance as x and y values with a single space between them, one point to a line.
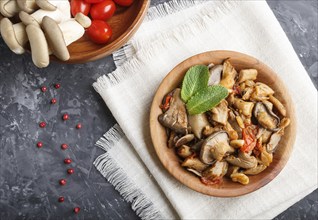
80 6
103 10
93 1
99 32
124 2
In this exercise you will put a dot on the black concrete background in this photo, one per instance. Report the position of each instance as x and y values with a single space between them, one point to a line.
29 176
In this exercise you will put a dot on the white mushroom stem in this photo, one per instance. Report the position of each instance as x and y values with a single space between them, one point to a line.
27 6
56 15
11 8
45 5
83 20
14 35
72 31
55 38
39 46
27 19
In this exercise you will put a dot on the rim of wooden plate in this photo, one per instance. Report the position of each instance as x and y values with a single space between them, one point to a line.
170 160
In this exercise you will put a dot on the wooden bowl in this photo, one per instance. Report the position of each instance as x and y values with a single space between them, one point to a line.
171 161
124 24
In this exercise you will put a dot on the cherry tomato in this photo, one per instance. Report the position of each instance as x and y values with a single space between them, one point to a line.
99 32
80 6
124 2
93 1
103 10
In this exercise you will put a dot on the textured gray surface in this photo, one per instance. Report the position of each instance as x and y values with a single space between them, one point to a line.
29 176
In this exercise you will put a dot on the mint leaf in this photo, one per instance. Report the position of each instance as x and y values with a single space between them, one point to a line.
206 99
196 79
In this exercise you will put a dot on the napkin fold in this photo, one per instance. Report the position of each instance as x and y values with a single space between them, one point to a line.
130 162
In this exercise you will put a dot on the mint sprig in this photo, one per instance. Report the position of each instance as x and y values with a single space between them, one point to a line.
206 99
196 78
195 92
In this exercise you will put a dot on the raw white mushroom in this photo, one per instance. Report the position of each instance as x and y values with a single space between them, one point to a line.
55 38
27 19
60 29
27 6
14 35
72 31
60 15
11 8
84 20
45 5
39 46
2 11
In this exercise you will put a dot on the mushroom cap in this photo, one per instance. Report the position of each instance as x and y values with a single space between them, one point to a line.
215 74
9 37
215 147
175 117
197 123
265 116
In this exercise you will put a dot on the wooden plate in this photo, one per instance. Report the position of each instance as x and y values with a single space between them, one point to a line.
170 160
124 24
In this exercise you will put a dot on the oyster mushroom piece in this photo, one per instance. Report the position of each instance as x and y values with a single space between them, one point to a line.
243 160
193 162
215 147
215 74
220 113
240 178
237 143
247 74
228 75
266 158
273 142
184 140
197 146
208 130
278 105
255 170
175 117
265 116
264 134
214 173
172 139
247 92
232 132
197 123
184 151
231 170
195 172
261 92
245 107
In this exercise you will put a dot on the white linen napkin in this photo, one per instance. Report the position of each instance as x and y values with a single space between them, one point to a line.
130 162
